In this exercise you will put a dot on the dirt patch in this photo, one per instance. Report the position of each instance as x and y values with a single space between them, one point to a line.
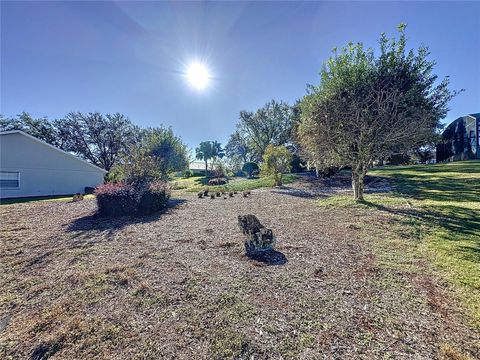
177 285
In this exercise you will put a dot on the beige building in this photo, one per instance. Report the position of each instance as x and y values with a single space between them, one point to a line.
31 167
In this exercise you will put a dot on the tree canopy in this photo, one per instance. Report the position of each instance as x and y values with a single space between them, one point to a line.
158 153
42 128
237 150
209 150
367 107
168 150
99 138
107 140
271 124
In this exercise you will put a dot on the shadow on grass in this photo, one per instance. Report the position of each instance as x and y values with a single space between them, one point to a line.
97 223
448 197
286 190
440 188
460 167
453 219
452 182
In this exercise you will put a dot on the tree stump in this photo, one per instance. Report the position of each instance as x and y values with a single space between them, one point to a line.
259 238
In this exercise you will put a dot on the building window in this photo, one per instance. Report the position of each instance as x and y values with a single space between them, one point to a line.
9 180
472 137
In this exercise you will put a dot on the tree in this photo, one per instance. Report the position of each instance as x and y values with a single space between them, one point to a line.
250 168
271 124
368 107
101 139
138 168
425 153
42 128
157 154
276 161
209 150
167 149
237 150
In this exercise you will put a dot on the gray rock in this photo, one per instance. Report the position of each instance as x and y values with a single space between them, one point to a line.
259 238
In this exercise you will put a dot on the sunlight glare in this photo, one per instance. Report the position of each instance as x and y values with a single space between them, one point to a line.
198 75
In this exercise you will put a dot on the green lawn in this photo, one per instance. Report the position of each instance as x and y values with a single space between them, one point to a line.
445 216
197 183
41 198
435 212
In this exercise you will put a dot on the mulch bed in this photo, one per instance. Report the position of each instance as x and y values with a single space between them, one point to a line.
177 285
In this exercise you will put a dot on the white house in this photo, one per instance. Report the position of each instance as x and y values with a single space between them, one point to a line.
31 167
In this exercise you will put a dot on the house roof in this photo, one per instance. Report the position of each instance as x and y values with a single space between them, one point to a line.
53 147
200 165
452 124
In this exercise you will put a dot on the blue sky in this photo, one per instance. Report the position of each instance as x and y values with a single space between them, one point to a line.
128 57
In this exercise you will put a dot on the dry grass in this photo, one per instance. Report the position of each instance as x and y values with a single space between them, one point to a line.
177 285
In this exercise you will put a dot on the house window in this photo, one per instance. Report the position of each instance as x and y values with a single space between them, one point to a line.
472 137
9 180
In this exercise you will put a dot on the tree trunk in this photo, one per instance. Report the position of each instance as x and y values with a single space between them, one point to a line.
358 177
277 179
206 169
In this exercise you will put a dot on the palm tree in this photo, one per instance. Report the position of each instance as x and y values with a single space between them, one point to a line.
209 150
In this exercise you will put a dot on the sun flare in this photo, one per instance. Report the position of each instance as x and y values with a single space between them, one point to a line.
198 75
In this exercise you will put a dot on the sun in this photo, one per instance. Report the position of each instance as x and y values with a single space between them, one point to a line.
198 75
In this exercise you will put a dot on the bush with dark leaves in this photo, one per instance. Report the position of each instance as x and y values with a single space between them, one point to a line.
250 168
116 199
217 181
89 190
154 197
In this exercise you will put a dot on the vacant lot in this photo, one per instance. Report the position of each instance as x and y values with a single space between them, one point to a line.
358 282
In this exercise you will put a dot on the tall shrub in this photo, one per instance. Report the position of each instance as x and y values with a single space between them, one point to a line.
276 161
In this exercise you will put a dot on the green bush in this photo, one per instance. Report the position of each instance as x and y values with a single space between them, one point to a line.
250 168
115 174
154 198
187 173
276 161
297 165
117 199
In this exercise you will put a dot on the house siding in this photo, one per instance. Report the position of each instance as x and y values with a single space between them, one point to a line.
43 170
460 140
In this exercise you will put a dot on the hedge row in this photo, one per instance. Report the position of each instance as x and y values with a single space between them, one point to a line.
115 199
